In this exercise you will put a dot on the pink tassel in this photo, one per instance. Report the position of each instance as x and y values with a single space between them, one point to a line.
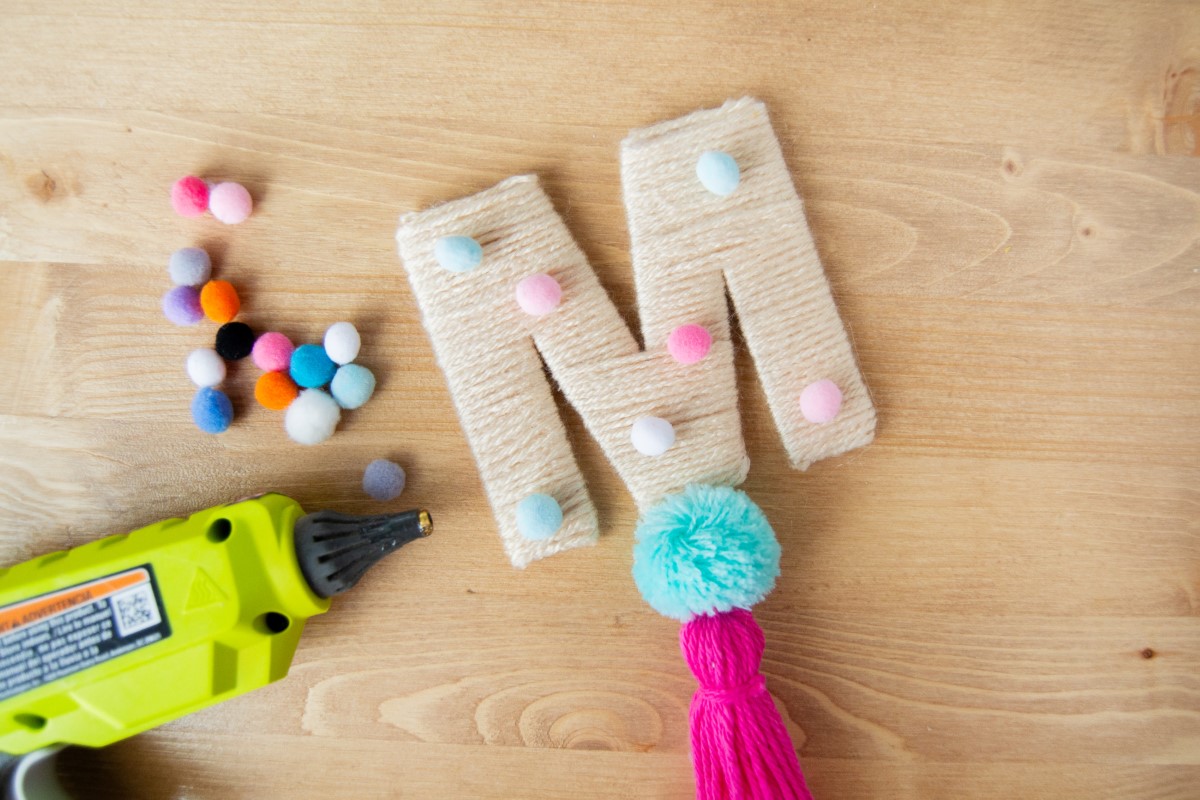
740 747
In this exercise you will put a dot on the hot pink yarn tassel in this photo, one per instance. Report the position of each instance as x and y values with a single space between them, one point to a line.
740 747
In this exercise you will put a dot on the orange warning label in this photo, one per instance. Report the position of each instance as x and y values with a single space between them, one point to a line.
18 615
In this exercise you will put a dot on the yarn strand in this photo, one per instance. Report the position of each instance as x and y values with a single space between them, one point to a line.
740 747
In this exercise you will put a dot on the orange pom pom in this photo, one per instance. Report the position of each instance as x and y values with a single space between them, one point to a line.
220 301
275 390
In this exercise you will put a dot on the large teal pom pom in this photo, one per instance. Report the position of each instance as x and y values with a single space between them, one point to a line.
704 550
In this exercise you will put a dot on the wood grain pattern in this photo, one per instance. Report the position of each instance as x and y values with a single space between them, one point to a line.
998 598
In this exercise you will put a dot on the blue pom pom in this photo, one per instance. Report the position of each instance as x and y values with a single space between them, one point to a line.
539 516
383 480
211 410
311 367
718 172
352 386
458 253
705 550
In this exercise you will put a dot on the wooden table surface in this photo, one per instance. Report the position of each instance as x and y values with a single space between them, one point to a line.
998 598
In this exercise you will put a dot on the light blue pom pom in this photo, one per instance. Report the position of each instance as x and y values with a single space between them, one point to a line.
718 172
539 516
211 410
704 550
458 253
352 385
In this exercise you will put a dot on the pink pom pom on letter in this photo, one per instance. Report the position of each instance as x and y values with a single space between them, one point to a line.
821 401
189 196
538 295
687 344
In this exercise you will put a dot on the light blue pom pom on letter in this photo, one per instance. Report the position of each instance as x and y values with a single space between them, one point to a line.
458 253
539 516
718 172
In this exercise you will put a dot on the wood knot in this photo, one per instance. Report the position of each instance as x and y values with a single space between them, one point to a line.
1011 165
1148 653
42 185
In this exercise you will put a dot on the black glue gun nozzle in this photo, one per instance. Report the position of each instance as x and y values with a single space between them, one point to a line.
335 550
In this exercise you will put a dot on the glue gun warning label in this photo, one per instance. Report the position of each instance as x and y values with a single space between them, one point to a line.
58 634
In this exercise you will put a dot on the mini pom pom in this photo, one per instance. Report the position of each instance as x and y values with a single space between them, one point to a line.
272 352
705 550
211 410
189 196
458 253
230 202
342 342
383 480
538 295
821 401
312 417
688 344
181 305
718 172
652 436
352 385
205 367
275 390
539 516
189 266
310 366
220 301
235 340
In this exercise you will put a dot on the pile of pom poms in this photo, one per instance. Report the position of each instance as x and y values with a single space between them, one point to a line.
228 201
312 383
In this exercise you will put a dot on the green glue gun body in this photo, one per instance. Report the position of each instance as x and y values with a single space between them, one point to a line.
123 634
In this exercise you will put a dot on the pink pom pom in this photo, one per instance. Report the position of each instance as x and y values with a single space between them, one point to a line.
538 295
230 202
687 344
821 401
272 352
189 196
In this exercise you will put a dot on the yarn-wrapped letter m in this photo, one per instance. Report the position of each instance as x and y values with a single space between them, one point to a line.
504 289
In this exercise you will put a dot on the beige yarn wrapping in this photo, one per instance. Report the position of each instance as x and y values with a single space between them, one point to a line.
684 239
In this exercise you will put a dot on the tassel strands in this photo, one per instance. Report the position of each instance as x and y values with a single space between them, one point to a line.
740 747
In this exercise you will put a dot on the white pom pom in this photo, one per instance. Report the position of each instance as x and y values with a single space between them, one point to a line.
342 342
652 436
311 417
205 367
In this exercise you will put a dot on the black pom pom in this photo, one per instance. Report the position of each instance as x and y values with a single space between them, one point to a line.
235 340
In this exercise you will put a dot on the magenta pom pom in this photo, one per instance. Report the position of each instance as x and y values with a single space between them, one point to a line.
181 305
272 352
230 202
189 196
821 401
538 295
687 344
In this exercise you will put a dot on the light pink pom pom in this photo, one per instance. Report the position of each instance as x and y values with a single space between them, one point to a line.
230 202
687 344
538 295
821 401
272 352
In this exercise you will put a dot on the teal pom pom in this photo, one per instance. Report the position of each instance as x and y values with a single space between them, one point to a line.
311 367
705 550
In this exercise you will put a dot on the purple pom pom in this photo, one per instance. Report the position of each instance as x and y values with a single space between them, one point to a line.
181 305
